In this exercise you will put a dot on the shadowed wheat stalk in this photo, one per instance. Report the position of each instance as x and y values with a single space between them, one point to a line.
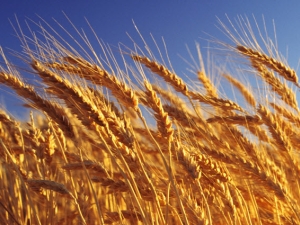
106 145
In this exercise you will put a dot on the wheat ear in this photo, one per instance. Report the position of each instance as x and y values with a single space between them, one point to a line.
170 97
208 85
224 104
286 94
176 82
245 120
197 163
36 185
50 108
241 87
164 125
279 67
72 95
125 95
293 118
278 134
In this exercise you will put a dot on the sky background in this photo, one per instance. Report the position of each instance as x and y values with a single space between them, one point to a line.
179 22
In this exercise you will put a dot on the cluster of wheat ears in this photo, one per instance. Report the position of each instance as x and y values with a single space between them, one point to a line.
105 144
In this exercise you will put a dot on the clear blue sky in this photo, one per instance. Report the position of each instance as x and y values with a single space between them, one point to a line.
180 22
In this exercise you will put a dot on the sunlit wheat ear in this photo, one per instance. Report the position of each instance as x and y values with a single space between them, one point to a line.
291 116
196 164
124 94
164 125
13 129
281 140
170 97
279 67
286 93
52 109
242 88
207 83
171 78
224 104
79 103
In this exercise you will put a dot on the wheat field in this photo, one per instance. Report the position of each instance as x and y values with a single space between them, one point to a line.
129 141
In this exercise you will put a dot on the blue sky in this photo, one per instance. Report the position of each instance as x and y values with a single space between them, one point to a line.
179 22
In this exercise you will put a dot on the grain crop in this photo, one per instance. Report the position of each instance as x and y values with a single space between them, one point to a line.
141 144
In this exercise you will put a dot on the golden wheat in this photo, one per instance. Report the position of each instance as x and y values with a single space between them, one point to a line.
101 147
